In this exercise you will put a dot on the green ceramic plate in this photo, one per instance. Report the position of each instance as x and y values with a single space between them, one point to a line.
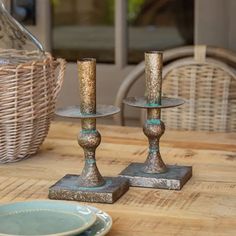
54 218
102 225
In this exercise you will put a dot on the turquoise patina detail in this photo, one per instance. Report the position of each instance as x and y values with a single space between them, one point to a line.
152 104
88 131
107 183
154 121
90 161
153 150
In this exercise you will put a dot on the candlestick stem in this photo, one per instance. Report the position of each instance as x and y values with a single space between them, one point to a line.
90 186
153 76
89 138
154 173
154 128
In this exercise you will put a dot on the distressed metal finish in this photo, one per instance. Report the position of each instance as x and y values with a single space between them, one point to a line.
68 189
90 186
153 74
89 141
89 138
87 81
174 178
154 128
154 173
142 102
75 112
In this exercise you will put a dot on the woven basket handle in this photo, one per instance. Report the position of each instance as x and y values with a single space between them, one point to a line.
60 77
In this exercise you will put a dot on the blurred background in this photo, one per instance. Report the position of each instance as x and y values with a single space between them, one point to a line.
118 32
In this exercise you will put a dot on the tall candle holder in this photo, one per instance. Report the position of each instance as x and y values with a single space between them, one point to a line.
90 186
154 173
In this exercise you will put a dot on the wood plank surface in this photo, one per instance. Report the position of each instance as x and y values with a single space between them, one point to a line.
205 206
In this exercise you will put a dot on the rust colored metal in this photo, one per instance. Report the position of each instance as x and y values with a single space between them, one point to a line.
90 186
89 138
87 82
173 179
153 76
154 128
154 173
68 189
90 176
142 102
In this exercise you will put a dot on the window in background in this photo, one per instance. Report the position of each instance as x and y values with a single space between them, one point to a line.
158 25
24 11
83 28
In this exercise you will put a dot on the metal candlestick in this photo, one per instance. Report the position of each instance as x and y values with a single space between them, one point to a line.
90 186
154 173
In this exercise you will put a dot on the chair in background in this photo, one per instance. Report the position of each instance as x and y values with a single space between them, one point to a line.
205 77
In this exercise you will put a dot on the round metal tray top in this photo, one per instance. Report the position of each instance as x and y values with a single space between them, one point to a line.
75 112
142 102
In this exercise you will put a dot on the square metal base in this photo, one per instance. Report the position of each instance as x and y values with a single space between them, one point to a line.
174 178
67 189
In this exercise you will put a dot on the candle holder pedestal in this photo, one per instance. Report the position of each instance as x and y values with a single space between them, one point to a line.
174 178
154 173
90 186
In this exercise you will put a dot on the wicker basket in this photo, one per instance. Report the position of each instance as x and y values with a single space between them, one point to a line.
28 91
209 91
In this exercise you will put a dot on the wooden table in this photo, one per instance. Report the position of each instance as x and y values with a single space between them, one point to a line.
205 206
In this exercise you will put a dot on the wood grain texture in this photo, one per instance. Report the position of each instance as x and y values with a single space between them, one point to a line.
205 206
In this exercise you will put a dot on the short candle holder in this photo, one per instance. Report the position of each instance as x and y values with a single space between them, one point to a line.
90 186
154 173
